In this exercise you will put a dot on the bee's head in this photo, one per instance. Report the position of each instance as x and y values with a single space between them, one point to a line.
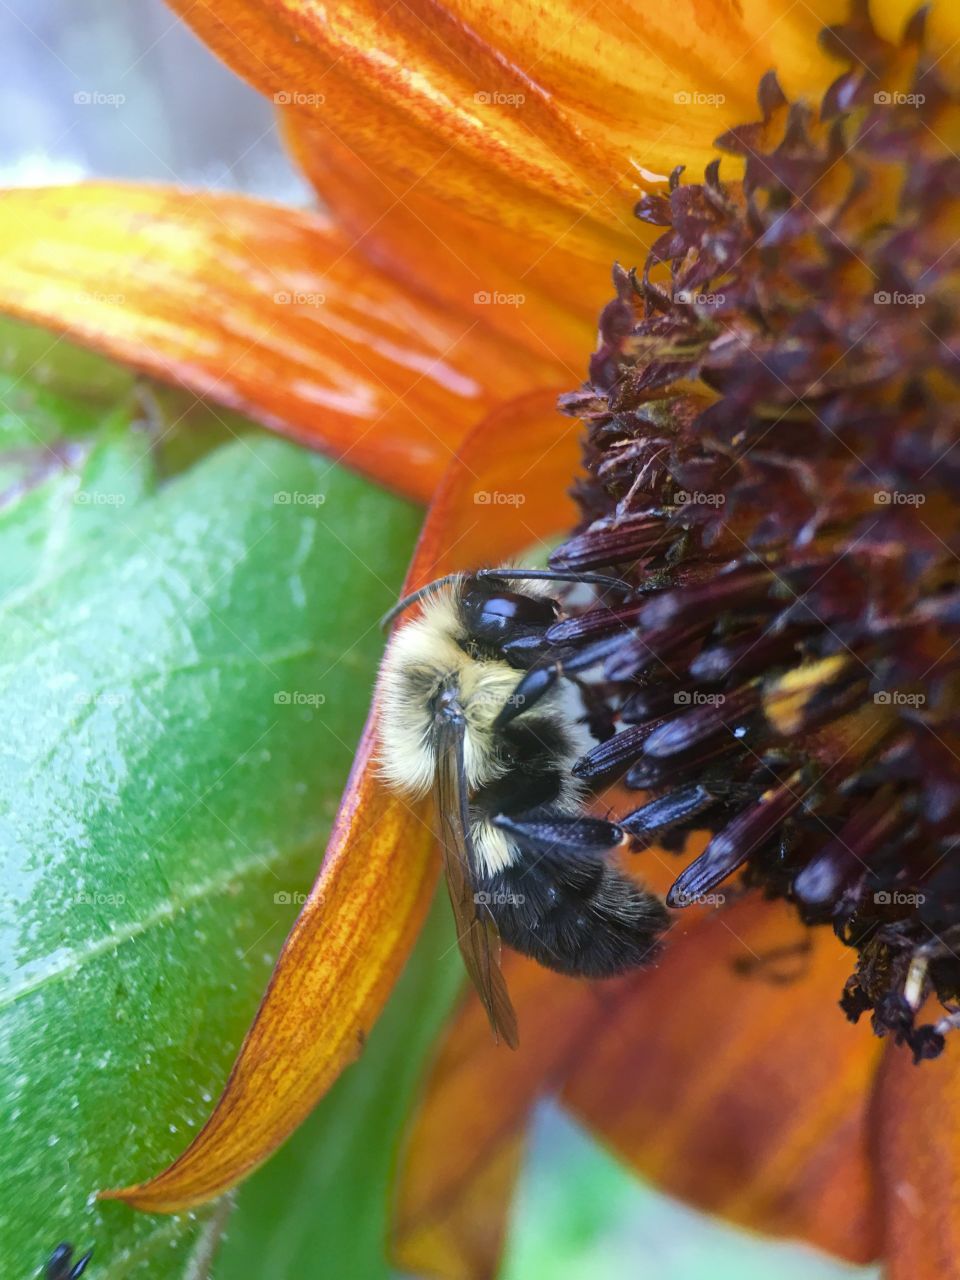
493 614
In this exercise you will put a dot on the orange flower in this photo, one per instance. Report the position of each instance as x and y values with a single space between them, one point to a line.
480 162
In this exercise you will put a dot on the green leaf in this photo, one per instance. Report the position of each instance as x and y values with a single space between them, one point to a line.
183 678
56 513
51 389
326 1195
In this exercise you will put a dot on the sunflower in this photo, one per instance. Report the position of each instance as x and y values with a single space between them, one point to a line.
766 426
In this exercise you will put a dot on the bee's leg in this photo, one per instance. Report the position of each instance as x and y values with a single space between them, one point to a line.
531 688
60 1264
547 832
57 1263
80 1266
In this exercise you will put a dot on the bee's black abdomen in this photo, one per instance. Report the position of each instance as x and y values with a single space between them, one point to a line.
576 915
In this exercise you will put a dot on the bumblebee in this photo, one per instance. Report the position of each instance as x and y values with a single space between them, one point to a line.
478 711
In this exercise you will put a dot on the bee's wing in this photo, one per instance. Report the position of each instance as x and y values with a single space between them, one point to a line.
476 934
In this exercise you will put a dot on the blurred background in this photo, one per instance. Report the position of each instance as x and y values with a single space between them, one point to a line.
92 88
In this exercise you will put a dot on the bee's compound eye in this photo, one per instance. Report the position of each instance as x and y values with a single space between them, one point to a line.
497 615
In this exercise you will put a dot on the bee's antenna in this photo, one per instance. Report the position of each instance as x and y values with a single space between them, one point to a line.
555 575
414 596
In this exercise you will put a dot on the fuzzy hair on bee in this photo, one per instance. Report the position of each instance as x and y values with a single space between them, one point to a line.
477 710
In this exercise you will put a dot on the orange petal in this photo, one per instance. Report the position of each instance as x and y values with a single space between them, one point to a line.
541 296
536 117
744 1093
918 1156
265 309
454 1195
363 913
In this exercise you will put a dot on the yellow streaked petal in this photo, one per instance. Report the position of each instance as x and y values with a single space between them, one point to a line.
942 29
268 310
543 118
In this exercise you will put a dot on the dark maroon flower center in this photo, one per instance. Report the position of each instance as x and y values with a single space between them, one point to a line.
772 465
